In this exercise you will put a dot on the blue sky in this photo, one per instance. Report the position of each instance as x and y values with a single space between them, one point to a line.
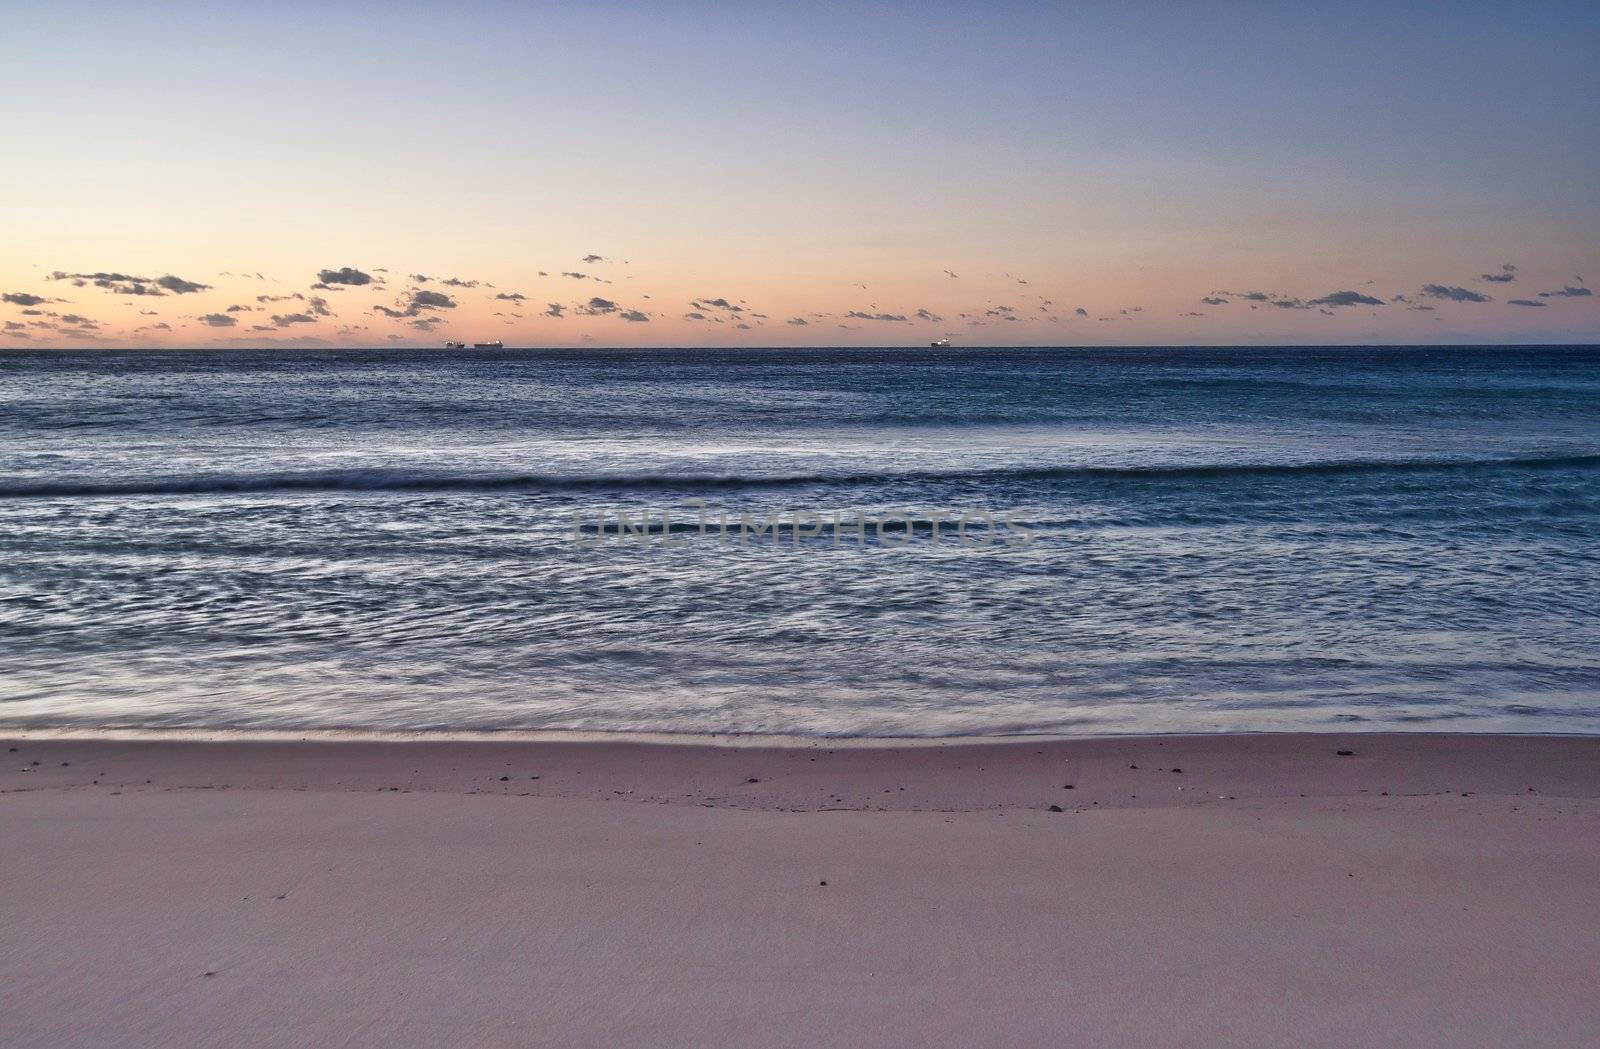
816 160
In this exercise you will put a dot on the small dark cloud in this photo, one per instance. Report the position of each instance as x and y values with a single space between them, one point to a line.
427 323
742 326
218 320
511 296
1081 312
284 320
1347 298
457 282
928 315
1453 294
1288 303
717 304
555 310
636 316
1214 300
318 307
597 306
179 286
280 298
1255 296
22 298
419 300
950 274
860 316
240 309
798 322
694 315
1507 274
344 275
1568 292
592 259
1525 302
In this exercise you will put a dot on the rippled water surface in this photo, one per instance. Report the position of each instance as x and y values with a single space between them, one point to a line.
1193 539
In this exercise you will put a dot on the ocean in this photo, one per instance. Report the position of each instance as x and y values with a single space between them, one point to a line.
1073 541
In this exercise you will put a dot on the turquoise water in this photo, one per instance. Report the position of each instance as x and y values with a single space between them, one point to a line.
1182 540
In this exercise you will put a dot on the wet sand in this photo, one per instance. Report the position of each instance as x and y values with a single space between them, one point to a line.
1423 890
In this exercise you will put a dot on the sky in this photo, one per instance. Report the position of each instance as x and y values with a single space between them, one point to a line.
817 174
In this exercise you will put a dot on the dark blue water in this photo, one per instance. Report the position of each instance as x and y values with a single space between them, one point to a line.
1193 539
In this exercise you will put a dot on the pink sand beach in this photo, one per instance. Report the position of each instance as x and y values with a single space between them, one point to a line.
1420 890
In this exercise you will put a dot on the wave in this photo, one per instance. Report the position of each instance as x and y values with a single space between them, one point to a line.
412 480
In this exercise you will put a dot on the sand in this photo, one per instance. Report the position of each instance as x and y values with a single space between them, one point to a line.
1425 890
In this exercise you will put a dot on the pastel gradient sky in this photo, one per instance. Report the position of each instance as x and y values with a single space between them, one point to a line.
1022 174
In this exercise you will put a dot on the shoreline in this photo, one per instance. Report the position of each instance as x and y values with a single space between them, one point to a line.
1423 890
775 740
954 774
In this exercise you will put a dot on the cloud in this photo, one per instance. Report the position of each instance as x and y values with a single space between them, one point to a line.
1080 311
218 320
1347 298
716 304
591 259
128 284
798 322
597 306
511 296
951 275
344 275
427 323
457 282
927 315
22 298
1525 302
241 309
280 298
419 300
179 286
318 307
283 320
1442 291
1507 274
634 315
1214 300
1568 292
694 316
860 316
555 310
